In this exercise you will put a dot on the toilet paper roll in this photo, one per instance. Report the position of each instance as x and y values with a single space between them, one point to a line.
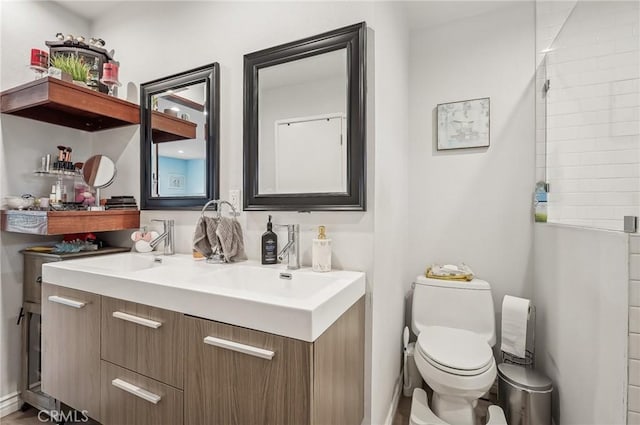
515 314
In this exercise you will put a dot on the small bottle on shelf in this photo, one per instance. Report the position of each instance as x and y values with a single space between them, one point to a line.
94 76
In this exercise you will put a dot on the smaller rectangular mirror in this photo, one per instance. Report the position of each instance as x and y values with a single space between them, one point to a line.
180 139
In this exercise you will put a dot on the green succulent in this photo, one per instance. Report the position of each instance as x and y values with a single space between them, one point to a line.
71 64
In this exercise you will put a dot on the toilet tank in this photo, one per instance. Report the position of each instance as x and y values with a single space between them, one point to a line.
454 304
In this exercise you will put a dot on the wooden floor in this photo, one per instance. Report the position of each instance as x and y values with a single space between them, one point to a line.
403 412
30 417
401 417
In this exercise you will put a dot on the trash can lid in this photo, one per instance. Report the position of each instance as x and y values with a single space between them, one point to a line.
524 377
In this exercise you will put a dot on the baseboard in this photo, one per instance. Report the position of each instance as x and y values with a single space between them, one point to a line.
397 390
9 404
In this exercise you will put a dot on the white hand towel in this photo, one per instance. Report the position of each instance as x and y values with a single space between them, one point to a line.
515 312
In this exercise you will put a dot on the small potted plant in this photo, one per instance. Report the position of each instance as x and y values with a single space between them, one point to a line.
73 65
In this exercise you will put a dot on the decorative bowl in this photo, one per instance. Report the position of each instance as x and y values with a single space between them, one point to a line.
19 202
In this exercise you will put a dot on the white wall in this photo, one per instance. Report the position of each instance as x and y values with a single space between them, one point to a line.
227 31
391 224
474 205
581 298
25 25
633 414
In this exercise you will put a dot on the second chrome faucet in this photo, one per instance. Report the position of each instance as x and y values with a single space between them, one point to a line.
292 249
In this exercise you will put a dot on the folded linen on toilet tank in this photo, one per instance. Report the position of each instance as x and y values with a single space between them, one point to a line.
450 272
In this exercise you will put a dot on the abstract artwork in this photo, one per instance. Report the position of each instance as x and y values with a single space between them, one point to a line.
463 124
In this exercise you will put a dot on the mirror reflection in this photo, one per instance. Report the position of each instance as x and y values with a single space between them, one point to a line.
302 134
179 151
179 139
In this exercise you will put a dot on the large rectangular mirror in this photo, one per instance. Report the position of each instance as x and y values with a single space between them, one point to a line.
304 124
179 140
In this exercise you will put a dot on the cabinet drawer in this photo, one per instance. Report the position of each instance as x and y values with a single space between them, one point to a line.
71 347
32 277
145 339
129 398
238 376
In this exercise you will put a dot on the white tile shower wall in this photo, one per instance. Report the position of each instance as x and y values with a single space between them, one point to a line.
592 147
550 18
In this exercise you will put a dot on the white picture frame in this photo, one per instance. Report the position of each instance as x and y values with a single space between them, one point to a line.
464 124
176 181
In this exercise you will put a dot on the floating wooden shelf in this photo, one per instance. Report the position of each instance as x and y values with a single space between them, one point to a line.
167 128
65 222
66 104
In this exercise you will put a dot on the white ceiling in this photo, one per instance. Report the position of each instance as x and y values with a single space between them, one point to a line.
428 13
420 13
89 9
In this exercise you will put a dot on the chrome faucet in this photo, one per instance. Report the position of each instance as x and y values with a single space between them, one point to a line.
292 248
167 236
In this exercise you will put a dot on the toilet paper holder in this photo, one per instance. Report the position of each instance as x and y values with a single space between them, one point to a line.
529 359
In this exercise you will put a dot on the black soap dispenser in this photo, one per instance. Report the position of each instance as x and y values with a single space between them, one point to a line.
269 245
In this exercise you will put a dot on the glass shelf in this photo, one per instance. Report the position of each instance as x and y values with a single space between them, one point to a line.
58 174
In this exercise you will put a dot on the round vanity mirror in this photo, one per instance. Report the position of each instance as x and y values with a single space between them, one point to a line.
98 171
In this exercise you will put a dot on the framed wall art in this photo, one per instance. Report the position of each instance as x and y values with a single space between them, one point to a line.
176 181
463 124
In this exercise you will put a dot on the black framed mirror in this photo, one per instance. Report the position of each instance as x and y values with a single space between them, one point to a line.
179 139
304 124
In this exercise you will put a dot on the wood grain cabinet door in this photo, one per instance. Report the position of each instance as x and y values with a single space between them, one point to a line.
129 398
238 376
71 347
147 340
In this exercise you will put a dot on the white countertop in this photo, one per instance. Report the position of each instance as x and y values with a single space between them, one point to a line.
245 294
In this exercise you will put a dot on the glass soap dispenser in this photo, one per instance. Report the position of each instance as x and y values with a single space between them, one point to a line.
321 252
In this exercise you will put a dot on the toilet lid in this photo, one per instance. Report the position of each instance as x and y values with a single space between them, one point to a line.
454 350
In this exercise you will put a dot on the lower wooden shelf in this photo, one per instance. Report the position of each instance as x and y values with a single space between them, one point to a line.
65 222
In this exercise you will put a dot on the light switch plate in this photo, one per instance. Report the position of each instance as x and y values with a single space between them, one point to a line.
234 199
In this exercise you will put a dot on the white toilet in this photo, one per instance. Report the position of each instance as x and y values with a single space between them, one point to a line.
455 325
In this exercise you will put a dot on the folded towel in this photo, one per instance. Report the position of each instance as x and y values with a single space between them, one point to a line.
205 240
230 239
450 272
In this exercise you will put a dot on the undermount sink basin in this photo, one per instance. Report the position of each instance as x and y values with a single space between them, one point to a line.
299 304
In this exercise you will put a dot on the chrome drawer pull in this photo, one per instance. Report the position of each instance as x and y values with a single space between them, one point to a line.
136 391
67 301
240 348
135 319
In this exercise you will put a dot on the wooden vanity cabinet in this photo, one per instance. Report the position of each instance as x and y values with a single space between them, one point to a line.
267 381
238 376
145 339
130 364
129 398
71 347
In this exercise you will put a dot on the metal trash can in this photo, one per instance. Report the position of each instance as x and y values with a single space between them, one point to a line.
524 395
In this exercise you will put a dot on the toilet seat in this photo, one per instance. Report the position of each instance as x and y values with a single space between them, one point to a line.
455 351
